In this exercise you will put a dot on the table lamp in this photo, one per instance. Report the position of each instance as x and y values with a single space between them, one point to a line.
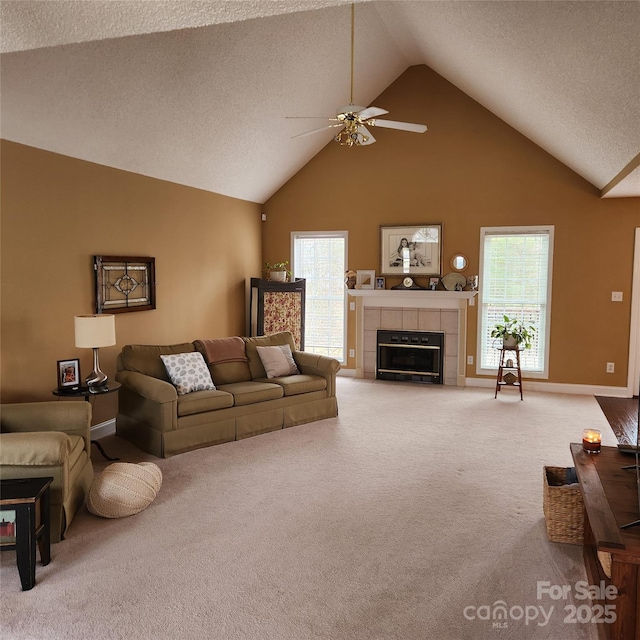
93 332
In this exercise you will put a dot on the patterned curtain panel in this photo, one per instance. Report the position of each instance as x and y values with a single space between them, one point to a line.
283 312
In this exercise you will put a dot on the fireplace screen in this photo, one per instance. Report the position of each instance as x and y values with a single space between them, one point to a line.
414 356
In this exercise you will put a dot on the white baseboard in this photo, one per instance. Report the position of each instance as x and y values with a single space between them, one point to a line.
535 385
558 387
107 428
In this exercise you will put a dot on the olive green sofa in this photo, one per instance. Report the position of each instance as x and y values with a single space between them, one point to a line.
245 402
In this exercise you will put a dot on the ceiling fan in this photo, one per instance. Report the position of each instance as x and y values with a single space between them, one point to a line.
353 118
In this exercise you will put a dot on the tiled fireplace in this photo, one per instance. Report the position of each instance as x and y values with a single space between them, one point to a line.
412 310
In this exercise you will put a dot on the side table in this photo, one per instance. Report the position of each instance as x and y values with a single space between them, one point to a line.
29 498
87 393
513 375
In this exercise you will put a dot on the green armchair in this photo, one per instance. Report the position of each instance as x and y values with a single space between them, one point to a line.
40 439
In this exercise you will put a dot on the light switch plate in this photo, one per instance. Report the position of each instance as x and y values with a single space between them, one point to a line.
616 296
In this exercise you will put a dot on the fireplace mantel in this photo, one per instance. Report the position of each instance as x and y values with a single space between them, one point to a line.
412 298
423 302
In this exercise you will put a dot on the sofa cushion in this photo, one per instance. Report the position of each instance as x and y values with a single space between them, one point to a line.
277 361
251 392
201 401
229 372
255 364
226 358
295 385
145 358
188 372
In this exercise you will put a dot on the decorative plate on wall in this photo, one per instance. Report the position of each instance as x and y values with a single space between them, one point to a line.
450 281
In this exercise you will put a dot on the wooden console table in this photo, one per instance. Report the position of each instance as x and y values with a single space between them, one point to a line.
611 500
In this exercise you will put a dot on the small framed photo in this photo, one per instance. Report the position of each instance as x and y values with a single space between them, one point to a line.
433 283
8 527
379 282
365 279
68 374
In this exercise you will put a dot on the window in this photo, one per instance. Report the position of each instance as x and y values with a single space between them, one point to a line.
321 259
515 280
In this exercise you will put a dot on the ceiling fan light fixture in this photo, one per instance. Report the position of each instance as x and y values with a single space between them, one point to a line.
354 118
351 137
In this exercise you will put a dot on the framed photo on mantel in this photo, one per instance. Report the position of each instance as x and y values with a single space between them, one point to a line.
411 249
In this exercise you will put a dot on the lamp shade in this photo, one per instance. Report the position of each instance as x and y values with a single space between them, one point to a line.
95 331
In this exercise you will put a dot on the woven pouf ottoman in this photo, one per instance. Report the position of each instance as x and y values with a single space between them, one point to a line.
124 489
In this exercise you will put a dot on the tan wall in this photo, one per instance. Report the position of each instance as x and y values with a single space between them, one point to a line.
472 170
57 212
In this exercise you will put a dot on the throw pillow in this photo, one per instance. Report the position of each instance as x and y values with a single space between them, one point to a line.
188 372
278 361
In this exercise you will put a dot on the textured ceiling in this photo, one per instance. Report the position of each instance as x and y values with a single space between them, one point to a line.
197 92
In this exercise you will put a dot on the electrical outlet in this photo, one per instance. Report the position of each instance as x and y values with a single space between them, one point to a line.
352 306
469 359
616 296
352 353
472 302
611 367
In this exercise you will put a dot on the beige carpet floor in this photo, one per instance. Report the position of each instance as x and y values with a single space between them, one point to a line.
416 505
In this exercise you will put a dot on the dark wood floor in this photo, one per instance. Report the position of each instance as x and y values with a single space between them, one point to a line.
622 414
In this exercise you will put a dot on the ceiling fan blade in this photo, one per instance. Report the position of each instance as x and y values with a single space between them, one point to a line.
371 112
403 126
308 133
365 132
311 118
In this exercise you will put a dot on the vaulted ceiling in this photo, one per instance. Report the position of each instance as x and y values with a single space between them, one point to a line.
197 92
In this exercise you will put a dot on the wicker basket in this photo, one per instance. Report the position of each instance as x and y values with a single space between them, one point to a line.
563 507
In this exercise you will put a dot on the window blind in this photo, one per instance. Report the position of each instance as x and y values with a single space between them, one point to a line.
515 282
320 259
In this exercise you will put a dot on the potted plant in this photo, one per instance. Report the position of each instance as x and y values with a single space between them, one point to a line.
277 271
513 333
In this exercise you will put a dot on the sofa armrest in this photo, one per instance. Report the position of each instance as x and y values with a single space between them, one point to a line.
33 449
313 364
72 418
148 387
146 400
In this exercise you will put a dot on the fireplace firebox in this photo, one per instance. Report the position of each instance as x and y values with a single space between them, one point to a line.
413 356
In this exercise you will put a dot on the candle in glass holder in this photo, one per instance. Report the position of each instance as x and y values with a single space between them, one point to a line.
591 440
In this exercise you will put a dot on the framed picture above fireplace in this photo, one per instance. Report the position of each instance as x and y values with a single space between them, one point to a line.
412 249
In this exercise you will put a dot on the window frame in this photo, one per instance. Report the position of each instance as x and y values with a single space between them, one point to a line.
516 230
344 234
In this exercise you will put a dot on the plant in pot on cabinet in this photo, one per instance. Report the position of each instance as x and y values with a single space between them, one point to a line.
277 271
513 333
